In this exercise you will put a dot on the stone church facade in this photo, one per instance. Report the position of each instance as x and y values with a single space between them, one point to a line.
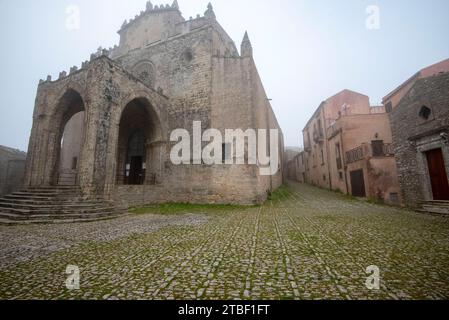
106 126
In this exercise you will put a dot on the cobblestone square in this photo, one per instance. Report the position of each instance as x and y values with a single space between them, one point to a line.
304 243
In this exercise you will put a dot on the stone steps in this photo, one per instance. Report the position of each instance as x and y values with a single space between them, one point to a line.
45 197
54 205
56 211
52 187
9 222
46 201
63 216
435 207
51 206
43 194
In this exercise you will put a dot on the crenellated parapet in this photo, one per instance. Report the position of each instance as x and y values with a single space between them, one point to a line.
84 65
178 28
150 9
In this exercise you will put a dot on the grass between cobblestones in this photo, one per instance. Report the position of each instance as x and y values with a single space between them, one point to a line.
303 243
183 208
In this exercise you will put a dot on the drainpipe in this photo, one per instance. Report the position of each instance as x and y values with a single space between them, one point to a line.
343 159
326 141
328 162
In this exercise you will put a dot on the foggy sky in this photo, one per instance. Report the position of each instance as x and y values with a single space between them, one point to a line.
305 50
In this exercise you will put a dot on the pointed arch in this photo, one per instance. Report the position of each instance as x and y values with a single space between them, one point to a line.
139 128
66 136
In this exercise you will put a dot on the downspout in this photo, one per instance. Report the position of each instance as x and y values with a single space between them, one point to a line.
328 161
326 143
343 158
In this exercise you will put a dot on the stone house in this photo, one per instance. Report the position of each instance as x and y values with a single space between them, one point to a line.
296 168
348 148
391 100
106 126
420 126
12 169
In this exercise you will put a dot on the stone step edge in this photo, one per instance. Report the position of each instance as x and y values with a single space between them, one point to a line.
18 217
5 222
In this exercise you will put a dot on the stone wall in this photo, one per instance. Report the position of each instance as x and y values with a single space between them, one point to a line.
413 135
12 170
296 168
316 147
176 73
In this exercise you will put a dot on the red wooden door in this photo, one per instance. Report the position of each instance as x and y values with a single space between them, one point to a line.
438 175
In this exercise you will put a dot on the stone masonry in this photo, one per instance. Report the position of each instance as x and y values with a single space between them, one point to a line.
416 133
12 169
166 73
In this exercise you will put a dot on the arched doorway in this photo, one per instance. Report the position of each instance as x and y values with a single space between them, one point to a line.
137 130
68 125
71 144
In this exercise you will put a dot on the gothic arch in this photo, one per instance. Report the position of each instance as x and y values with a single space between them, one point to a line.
69 104
139 131
156 107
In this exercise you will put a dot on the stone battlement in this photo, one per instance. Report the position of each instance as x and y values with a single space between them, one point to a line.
99 53
150 9
75 69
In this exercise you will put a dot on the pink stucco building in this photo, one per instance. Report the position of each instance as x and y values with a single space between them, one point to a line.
348 148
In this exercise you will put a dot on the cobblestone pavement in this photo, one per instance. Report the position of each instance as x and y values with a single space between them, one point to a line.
305 243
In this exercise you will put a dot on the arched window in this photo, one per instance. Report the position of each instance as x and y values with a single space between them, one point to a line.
187 56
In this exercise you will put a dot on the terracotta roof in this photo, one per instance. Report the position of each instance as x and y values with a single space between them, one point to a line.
439 67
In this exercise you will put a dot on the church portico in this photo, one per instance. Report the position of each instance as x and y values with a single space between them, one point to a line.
100 99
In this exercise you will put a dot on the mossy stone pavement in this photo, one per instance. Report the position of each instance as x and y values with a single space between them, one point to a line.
304 243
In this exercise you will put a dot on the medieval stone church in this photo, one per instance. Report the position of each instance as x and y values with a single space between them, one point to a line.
105 127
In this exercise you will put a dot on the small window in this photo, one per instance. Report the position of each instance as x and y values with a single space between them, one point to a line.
425 113
394 198
378 148
340 174
187 56
389 107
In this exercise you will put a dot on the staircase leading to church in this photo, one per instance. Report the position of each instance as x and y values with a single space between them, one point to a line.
61 204
435 207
